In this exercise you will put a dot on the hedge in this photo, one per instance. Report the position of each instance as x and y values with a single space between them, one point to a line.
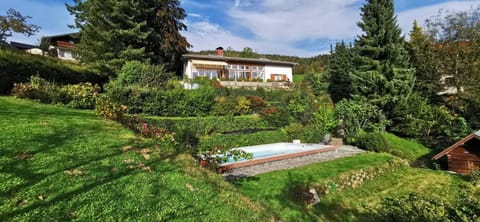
205 125
240 140
18 66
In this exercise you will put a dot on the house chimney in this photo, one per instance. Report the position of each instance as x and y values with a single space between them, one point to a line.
219 51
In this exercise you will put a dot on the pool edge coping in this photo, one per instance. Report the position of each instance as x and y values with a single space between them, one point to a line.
227 167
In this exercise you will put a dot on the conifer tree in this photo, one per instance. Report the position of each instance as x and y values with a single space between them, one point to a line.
423 59
339 71
383 75
116 31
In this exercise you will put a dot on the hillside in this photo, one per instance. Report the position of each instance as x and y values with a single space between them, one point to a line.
66 164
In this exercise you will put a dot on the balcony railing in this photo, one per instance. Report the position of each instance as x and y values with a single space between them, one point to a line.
63 44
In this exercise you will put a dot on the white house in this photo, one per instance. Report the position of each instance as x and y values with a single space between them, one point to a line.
63 44
225 68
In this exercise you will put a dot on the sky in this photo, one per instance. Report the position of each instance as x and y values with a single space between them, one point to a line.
302 28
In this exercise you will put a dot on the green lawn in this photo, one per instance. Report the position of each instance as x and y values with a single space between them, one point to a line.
351 204
271 188
63 164
298 78
361 204
408 149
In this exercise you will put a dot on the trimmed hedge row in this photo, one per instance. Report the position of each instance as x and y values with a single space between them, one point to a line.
206 125
239 140
17 67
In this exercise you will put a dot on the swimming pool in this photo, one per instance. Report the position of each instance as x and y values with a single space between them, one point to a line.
274 152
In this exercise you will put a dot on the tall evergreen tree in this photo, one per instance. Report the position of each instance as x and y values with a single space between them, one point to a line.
382 73
339 71
116 31
381 47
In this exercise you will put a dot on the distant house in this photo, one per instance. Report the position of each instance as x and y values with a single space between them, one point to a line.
463 156
32 49
235 69
63 44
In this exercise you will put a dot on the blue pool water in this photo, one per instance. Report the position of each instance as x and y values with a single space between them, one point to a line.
274 149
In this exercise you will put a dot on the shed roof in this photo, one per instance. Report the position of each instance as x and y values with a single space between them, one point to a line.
238 59
475 135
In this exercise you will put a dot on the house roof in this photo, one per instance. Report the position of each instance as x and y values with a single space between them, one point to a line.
62 35
22 46
238 59
475 135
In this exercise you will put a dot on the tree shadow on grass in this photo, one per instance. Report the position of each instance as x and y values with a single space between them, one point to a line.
84 188
45 143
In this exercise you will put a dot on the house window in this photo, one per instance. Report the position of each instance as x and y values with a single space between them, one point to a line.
245 72
278 77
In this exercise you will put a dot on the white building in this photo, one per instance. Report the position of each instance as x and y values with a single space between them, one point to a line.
236 69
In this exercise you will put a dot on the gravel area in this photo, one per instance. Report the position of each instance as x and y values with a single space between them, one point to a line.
342 151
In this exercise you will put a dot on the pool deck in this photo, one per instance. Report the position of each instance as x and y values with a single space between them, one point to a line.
288 161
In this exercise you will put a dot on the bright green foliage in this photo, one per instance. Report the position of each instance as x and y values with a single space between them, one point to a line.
317 82
324 118
143 75
339 70
406 148
14 22
418 207
114 32
17 67
372 141
82 95
423 59
355 116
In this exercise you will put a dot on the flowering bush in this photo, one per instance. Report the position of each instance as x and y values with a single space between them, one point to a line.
106 108
23 90
82 95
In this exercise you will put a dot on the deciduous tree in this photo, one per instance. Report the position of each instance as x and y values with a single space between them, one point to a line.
15 22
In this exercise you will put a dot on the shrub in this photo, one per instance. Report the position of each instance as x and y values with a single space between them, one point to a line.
39 89
256 103
415 207
356 115
277 117
106 108
205 125
324 118
293 131
143 75
307 134
82 95
24 91
17 67
372 141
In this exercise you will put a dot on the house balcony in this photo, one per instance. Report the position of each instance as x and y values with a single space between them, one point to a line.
63 44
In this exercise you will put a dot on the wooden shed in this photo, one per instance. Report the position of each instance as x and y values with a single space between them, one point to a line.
464 155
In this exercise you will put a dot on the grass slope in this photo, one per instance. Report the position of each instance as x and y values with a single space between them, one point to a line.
408 149
352 204
271 188
63 164
361 204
